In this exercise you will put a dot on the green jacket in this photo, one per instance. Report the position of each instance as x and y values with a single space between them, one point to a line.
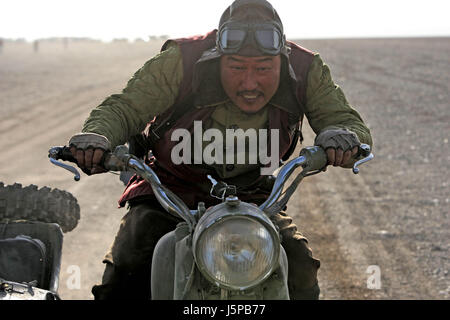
154 88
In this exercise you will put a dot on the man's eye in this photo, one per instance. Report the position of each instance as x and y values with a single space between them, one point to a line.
237 68
262 68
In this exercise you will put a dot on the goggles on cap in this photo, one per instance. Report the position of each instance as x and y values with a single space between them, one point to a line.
267 37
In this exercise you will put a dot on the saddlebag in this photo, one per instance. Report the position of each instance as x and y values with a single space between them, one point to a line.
22 259
31 251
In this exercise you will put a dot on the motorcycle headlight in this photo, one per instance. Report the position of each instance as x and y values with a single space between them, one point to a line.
236 247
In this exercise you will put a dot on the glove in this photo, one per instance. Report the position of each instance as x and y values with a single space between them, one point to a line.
90 140
339 144
337 138
88 150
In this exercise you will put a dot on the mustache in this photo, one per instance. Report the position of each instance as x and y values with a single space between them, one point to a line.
250 93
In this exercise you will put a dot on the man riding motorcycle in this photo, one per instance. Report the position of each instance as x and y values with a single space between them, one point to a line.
245 75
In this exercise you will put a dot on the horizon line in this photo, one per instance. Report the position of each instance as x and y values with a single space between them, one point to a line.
165 37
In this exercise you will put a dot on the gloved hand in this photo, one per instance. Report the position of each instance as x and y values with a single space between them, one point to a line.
340 145
88 149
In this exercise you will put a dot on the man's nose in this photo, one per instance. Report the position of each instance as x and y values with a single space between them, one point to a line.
249 81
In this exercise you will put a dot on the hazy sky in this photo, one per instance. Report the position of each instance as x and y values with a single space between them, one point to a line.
107 19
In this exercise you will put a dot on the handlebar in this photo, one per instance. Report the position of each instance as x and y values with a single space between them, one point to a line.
121 160
312 159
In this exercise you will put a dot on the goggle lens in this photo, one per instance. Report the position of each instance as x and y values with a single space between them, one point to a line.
268 39
232 38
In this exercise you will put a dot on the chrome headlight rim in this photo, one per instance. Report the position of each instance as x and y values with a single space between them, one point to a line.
218 215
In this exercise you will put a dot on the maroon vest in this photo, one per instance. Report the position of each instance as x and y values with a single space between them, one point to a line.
189 181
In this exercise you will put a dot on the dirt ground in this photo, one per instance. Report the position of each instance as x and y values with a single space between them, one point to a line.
390 220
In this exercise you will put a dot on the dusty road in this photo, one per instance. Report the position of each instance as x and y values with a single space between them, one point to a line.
391 220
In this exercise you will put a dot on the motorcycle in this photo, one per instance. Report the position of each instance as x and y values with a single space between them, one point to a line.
228 251
32 222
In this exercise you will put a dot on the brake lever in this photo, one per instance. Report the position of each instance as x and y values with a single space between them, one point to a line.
56 153
364 150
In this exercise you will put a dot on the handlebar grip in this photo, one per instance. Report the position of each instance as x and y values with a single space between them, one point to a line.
61 153
316 158
66 155
363 150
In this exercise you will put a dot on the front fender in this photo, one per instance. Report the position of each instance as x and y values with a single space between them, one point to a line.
163 268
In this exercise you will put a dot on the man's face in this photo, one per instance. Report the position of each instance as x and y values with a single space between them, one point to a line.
250 82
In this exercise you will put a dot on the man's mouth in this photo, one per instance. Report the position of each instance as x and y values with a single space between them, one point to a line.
250 96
